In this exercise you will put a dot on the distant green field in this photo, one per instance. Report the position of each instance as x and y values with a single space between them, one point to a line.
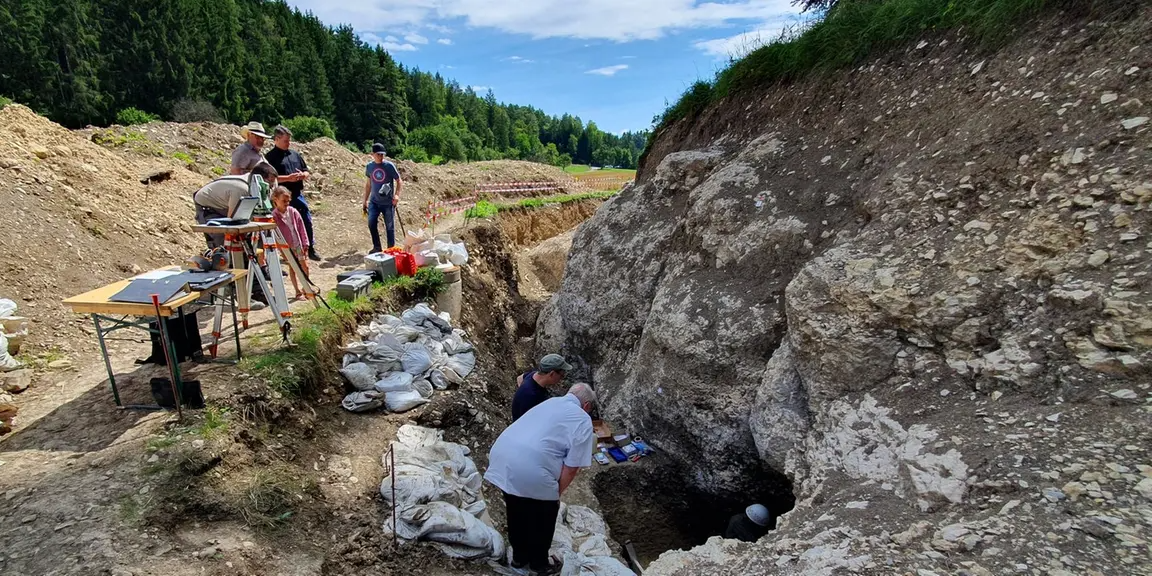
587 171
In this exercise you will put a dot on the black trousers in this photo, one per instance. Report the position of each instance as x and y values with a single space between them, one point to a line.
531 524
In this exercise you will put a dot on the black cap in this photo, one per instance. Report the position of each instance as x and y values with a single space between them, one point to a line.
377 148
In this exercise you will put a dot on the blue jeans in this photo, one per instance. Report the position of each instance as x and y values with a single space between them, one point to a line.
389 213
301 206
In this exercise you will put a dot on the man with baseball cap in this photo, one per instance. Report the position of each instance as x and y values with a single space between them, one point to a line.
532 386
381 195
247 155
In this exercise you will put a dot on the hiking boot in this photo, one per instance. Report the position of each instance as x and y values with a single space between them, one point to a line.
312 255
551 570
375 251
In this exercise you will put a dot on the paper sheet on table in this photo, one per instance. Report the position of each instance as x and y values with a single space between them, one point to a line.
157 274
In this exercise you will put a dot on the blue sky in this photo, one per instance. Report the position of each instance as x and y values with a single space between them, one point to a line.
616 62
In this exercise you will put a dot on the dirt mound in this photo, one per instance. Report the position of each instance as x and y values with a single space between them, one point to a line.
76 216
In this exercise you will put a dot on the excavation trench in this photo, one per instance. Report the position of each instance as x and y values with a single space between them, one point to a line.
654 506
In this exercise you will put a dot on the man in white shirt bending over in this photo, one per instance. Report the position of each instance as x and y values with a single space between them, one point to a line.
533 462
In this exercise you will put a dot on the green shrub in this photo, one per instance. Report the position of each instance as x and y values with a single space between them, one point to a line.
414 153
183 157
353 147
4 101
134 116
309 128
428 282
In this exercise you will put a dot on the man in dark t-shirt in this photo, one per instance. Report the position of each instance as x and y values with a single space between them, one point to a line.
293 172
381 196
532 387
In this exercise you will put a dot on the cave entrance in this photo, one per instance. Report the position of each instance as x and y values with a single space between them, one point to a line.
651 504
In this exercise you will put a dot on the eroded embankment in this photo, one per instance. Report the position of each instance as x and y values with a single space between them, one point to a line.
915 290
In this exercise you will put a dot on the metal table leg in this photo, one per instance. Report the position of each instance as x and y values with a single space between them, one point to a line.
107 361
173 363
235 325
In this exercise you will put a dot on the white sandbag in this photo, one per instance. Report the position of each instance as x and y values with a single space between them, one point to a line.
454 343
360 375
451 376
457 254
7 308
595 545
383 368
462 364
362 401
455 532
406 333
349 359
437 379
395 382
359 348
388 348
584 522
7 361
561 541
421 313
416 359
423 387
576 564
403 401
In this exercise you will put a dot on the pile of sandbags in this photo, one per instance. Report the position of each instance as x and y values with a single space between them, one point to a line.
440 249
581 540
400 361
437 496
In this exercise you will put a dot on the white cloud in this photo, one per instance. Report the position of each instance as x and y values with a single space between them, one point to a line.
389 43
627 57
608 70
480 89
739 45
438 28
416 39
590 19
445 41
518 60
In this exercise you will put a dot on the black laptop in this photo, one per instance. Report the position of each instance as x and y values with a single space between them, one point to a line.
241 216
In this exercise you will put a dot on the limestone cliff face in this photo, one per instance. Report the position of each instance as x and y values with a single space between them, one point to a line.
918 290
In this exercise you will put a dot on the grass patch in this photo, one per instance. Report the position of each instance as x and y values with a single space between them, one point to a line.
218 171
132 508
482 209
577 168
852 31
268 498
316 334
161 442
4 101
42 360
486 209
183 157
215 423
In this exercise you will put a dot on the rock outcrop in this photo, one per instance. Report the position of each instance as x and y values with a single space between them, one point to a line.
918 291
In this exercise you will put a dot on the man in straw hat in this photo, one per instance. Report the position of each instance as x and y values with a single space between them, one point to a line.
247 155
